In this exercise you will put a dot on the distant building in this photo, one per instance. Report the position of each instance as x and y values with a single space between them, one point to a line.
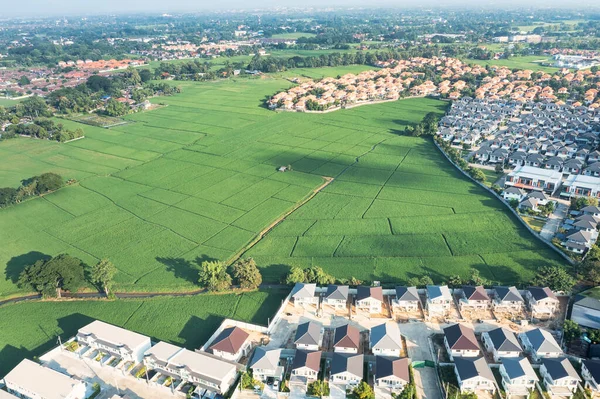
117 341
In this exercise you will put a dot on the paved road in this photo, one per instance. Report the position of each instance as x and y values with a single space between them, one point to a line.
417 345
554 221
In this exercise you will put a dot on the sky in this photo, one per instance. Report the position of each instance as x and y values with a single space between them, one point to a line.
11 8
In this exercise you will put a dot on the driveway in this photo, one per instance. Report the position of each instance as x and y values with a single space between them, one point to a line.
417 346
554 221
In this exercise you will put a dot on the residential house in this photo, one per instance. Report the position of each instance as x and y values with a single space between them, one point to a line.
346 339
586 311
540 344
474 298
407 299
529 204
541 301
392 373
513 193
439 299
518 377
502 343
309 336
572 166
303 294
559 376
532 178
460 341
507 299
117 341
33 381
473 374
581 186
590 371
337 296
306 365
265 364
540 196
199 368
385 340
591 210
579 241
369 299
347 369
231 344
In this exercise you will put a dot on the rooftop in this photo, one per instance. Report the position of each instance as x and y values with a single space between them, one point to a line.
42 381
113 334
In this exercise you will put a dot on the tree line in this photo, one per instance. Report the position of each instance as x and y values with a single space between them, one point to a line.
36 185
42 128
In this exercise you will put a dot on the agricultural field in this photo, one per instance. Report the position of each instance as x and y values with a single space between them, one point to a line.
531 62
185 321
197 180
292 35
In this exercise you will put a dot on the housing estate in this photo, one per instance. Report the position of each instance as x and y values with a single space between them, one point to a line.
518 377
309 336
559 376
391 372
265 364
385 340
460 341
231 344
502 343
347 368
473 374
540 344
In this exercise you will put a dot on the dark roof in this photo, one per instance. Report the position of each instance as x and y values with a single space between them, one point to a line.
364 292
504 340
539 293
230 340
346 336
514 190
475 293
312 360
517 367
591 209
460 337
509 294
559 367
308 333
537 194
587 302
337 292
593 367
470 367
342 362
542 341
391 366
407 293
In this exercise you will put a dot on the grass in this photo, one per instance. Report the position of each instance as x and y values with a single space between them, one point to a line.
185 321
490 176
535 224
292 35
531 62
196 180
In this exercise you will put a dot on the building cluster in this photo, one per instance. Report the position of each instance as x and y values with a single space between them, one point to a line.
575 61
101 65
399 78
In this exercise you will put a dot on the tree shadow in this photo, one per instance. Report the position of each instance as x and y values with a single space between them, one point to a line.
197 331
183 268
15 265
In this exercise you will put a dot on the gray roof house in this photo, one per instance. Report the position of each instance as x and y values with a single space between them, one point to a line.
460 341
347 368
337 296
559 376
385 340
540 344
304 294
590 370
474 297
308 336
518 377
473 374
391 372
407 298
502 343
265 364
507 299
586 311
439 298
542 301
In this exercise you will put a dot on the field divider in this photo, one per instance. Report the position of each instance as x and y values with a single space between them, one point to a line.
270 227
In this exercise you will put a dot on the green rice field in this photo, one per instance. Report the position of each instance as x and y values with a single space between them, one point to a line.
185 321
198 180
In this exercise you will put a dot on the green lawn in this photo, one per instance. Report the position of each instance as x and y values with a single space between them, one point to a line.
520 62
292 35
197 180
185 321
7 102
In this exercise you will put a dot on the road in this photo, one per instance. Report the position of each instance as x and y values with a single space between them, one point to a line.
554 221
417 346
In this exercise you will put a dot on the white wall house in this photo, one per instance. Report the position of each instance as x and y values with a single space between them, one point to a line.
542 301
473 374
306 364
474 298
392 373
407 299
518 377
369 299
265 364
590 371
502 343
347 369
581 186
385 340
31 380
117 341
337 296
533 178
303 294
540 344
460 341
346 339
559 376
231 344
439 298
507 299
309 336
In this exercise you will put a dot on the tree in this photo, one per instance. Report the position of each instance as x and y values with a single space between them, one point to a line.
420 281
103 273
115 108
8 196
295 275
247 274
49 277
145 75
477 174
499 169
47 182
363 391
213 276
571 330
318 388
317 275
476 279
554 277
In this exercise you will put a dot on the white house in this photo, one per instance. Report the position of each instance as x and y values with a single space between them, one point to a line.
33 381
439 299
117 341
346 339
460 341
532 178
337 296
513 194
385 340
306 365
542 301
309 336
540 344
369 299
407 299
474 298
347 369
473 374
231 344
518 377
507 299
304 294
559 376
265 364
392 373
590 370
586 311
581 186
502 343
200 368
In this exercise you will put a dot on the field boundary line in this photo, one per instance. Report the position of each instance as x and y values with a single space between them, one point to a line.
448 245
270 227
